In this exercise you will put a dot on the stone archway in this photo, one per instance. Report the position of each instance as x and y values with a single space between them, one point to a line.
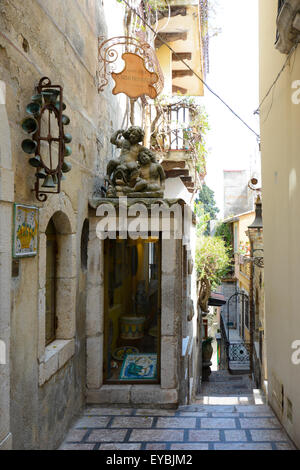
6 201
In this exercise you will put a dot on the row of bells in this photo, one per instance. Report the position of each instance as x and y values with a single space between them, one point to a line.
30 125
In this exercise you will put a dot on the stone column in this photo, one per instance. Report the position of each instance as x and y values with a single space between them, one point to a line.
6 200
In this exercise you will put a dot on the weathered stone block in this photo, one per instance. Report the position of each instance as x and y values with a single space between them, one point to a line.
169 378
66 299
6 185
94 351
153 394
66 352
110 394
169 304
66 261
95 311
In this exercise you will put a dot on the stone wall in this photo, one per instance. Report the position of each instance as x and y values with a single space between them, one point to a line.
59 40
6 198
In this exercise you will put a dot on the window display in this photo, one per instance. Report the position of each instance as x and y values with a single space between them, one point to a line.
132 310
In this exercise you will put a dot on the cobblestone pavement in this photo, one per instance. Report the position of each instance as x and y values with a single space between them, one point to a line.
219 420
197 427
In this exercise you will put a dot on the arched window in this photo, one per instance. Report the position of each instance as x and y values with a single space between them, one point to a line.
51 281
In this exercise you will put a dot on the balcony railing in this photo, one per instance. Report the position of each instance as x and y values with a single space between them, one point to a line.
173 127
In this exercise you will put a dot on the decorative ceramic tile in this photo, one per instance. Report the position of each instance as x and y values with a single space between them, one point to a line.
25 239
139 367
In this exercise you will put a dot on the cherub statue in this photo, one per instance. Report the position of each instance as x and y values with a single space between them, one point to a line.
136 169
127 161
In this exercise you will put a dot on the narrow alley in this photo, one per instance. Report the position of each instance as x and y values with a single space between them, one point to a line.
229 415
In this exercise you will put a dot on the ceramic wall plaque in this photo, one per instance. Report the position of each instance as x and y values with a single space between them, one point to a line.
25 235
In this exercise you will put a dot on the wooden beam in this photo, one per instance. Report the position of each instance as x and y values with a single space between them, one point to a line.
177 172
172 164
186 179
170 37
181 56
181 73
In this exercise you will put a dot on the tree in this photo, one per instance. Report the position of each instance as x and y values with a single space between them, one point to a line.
213 259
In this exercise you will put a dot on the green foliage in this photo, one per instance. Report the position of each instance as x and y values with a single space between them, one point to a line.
202 219
223 231
213 259
207 198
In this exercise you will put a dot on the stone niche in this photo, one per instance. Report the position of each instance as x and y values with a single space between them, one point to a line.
164 393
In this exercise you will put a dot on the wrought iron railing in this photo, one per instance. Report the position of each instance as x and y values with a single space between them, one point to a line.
238 352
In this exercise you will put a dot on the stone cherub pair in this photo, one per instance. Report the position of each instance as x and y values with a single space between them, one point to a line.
136 172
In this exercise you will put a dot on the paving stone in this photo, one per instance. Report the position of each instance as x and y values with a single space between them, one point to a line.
178 422
218 423
194 414
243 446
120 446
107 435
235 435
204 436
76 435
144 435
159 446
259 414
235 414
92 422
189 446
252 408
132 422
268 435
77 447
108 411
151 412
284 446
265 423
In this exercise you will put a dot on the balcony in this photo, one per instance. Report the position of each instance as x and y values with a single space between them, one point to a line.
176 136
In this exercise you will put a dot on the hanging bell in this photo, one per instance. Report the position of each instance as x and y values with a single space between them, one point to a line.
38 99
66 167
29 146
35 161
55 178
33 108
57 105
67 138
50 95
29 125
63 177
48 183
67 151
41 173
65 120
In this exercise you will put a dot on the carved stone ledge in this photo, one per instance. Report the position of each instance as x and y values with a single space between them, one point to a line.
288 25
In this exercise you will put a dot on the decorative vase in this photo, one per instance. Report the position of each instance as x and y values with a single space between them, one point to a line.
207 351
132 327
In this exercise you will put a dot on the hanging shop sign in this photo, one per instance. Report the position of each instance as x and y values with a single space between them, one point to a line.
48 145
141 74
25 235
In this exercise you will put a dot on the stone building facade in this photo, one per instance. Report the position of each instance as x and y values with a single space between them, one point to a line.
43 385
58 40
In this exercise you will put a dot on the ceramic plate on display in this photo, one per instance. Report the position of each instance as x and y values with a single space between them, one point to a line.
120 353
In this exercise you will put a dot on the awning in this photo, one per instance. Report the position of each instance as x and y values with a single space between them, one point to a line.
216 300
